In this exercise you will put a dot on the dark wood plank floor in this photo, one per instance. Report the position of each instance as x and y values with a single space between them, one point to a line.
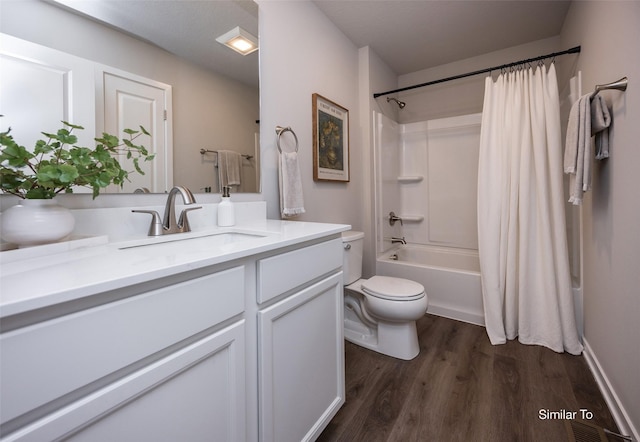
461 388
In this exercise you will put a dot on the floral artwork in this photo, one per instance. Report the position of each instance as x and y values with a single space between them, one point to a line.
331 141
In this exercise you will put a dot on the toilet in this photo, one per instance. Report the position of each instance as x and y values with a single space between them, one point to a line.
380 313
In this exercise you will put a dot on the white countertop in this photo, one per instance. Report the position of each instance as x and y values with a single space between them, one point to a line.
43 281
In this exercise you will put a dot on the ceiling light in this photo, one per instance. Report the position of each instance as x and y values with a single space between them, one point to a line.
239 40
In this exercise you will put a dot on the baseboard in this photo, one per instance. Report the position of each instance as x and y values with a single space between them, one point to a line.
618 411
458 315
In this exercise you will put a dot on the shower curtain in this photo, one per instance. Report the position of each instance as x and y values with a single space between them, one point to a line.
524 264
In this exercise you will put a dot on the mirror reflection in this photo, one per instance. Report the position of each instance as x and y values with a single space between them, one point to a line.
210 95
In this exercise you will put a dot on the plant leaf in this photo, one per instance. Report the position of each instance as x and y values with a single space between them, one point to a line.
72 126
52 168
15 155
66 137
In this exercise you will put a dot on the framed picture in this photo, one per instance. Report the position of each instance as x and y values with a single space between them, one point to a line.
330 140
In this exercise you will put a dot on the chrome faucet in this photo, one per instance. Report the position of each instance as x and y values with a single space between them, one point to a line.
400 240
393 218
169 224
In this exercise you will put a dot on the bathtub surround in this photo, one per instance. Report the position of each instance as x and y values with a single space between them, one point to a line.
526 283
427 172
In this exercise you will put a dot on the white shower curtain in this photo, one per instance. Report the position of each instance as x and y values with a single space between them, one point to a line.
526 283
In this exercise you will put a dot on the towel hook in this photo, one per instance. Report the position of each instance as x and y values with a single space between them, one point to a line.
279 131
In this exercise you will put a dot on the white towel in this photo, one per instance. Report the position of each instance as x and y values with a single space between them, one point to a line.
229 168
577 158
600 122
291 200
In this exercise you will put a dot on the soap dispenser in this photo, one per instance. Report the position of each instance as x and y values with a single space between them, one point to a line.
226 214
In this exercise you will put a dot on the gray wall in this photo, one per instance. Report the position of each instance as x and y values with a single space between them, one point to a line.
463 96
306 55
609 32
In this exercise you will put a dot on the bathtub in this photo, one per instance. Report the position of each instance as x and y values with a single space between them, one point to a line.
451 278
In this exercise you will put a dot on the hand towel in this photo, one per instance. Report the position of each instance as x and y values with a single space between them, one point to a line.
229 168
577 158
600 122
289 179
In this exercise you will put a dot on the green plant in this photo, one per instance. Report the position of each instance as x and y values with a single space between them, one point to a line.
57 165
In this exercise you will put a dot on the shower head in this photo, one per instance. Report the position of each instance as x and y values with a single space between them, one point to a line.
401 104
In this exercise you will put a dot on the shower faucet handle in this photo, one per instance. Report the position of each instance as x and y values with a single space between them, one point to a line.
393 218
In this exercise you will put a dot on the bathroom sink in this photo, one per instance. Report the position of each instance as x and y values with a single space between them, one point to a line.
205 240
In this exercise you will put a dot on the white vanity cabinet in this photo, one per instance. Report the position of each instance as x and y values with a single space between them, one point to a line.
165 364
301 346
242 348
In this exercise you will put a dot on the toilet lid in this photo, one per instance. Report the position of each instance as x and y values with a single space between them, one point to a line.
395 289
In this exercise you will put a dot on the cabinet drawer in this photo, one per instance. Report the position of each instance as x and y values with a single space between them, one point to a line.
196 393
47 360
281 273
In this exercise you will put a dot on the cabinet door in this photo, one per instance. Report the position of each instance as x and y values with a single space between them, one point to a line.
194 394
301 376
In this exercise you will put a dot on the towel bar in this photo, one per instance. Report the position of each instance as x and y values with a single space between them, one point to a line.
620 85
203 151
279 131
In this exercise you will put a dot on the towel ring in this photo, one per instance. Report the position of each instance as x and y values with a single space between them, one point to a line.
279 131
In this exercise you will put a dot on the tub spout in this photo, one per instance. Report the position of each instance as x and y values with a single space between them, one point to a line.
398 240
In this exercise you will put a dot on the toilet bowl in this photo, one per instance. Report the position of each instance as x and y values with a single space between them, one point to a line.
380 312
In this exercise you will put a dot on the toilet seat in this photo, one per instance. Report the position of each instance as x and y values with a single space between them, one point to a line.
393 289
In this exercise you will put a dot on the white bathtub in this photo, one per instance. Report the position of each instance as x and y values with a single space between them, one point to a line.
451 278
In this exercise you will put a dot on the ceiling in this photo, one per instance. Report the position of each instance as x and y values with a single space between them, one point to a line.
187 28
409 35
412 35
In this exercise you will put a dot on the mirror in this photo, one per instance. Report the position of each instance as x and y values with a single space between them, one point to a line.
214 98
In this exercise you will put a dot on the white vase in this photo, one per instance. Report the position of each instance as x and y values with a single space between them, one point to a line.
33 222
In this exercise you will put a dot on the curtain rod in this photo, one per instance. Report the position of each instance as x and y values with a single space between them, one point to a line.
574 50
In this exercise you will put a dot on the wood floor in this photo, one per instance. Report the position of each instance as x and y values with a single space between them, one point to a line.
461 388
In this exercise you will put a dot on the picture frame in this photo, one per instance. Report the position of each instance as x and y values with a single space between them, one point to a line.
330 140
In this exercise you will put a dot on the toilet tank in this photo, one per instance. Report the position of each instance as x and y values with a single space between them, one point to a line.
352 242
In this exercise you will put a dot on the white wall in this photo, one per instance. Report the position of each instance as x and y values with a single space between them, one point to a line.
609 32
